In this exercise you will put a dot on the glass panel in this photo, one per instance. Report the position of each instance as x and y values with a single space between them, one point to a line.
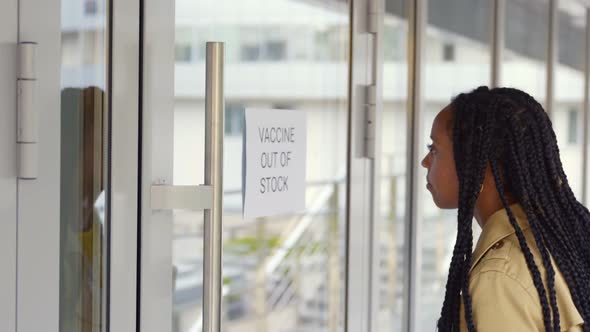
524 62
83 165
393 167
569 90
457 60
279 54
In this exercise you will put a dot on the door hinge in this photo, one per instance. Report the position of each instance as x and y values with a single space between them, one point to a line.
27 118
374 16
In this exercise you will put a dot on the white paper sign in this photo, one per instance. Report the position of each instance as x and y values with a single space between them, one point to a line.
274 152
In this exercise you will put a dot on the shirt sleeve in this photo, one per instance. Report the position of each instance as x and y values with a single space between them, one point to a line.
501 303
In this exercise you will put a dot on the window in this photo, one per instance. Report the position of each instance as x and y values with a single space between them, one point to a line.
234 120
270 50
283 107
250 52
90 7
183 53
449 52
524 61
276 50
569 89
393 47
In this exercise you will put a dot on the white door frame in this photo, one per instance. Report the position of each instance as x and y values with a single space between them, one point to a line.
38 213
8 191
156 296
124 112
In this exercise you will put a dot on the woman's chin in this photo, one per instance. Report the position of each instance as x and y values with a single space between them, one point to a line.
444 205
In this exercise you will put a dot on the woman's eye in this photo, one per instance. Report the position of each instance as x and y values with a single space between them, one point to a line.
429 147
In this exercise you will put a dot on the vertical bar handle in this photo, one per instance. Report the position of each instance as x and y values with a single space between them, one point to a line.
214 109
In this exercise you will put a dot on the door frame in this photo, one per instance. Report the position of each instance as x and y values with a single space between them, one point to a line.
38 200
364 168
124 176
155 232
8 183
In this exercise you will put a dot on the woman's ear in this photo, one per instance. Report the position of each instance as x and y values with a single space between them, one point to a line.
488 181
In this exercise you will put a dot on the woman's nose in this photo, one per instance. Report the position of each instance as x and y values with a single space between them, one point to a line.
424 162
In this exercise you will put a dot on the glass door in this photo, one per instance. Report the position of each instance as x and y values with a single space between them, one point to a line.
75 200
84 160
280 273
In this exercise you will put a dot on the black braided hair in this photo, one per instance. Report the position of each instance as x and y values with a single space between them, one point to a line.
509 130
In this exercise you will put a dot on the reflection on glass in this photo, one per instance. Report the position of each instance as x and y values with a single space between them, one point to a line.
569 90
457 60
83 160
393 168
281 273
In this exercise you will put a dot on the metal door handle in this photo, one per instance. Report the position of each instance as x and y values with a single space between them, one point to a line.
214 177
207 197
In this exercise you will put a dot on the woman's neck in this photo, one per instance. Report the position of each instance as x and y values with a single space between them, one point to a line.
487 205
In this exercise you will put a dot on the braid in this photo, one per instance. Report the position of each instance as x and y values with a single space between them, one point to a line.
526 153
537 281
509 129
485 142
562 246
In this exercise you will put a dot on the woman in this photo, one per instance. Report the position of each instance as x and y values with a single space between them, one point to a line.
494 156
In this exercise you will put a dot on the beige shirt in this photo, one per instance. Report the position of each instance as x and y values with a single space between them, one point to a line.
504 297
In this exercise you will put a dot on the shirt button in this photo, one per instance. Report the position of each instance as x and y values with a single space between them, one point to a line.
498 245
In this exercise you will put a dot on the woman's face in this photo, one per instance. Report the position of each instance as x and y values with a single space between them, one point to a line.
442 181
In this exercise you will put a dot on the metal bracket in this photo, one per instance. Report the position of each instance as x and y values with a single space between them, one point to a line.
370 109
166 197
374 21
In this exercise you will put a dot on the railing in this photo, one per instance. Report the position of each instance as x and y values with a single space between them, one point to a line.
278 278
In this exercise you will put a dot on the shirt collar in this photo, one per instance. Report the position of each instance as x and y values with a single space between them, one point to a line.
496 228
